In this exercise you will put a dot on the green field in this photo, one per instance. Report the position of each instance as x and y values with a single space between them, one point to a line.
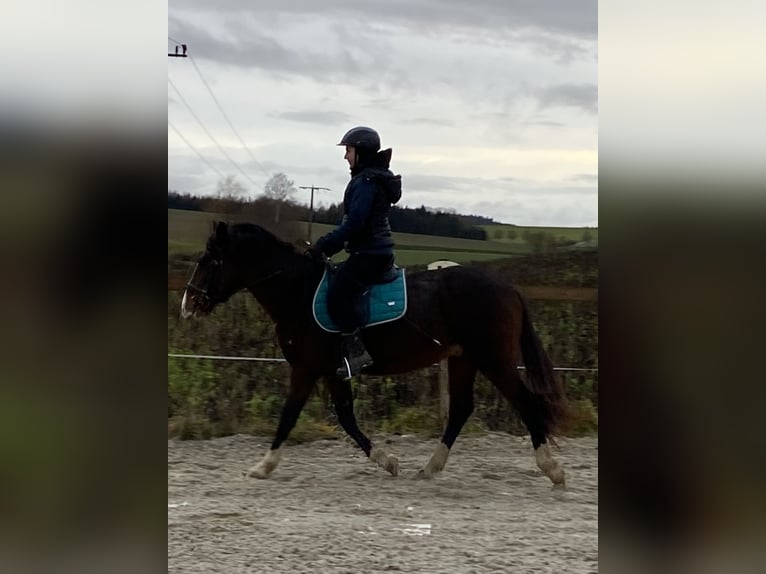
503 233
188 230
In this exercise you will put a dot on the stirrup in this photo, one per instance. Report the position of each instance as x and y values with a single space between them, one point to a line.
350 368
344 371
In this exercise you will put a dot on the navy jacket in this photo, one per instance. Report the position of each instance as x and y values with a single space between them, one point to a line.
366 203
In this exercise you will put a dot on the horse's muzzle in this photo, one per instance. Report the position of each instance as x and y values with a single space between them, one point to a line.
195 304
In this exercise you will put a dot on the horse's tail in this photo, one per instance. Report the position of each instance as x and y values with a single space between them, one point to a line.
540 379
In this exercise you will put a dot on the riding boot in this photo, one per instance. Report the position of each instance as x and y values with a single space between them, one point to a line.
355 356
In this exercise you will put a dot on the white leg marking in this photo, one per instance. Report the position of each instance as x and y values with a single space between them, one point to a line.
387 461
548 465
264 468
437 462
184 313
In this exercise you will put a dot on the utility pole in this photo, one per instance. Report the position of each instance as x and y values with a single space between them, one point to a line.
311 205
176 54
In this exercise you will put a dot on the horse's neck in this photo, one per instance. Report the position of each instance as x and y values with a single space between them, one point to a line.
280 288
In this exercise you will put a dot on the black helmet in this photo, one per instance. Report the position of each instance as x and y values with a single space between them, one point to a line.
362 137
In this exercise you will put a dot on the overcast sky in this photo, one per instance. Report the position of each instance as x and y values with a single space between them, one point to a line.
490 106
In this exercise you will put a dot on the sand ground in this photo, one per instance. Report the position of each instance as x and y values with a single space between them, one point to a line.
327 509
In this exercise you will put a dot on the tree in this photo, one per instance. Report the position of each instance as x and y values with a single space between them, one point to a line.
230 188
280 189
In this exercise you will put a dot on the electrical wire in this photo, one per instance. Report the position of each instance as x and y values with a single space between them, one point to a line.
210 165
202 125
226 117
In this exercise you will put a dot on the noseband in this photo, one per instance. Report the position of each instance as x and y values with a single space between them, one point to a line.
205 293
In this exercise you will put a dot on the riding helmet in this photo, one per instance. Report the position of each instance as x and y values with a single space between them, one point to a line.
362 138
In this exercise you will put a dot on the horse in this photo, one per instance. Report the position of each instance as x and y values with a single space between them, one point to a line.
460 313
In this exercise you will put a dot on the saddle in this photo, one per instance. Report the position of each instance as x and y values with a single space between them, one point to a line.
384 301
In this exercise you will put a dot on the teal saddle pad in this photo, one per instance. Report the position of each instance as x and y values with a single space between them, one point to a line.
382 302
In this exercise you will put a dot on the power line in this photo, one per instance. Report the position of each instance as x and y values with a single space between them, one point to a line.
210 165
223 151
226 117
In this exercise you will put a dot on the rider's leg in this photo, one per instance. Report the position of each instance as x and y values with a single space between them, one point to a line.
343 298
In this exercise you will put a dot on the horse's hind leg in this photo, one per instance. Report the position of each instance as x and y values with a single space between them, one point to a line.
461 372
342 397
531 409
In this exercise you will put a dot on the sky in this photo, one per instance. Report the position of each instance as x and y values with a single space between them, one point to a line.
490 106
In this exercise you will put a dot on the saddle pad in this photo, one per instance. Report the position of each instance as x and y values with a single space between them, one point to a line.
383 302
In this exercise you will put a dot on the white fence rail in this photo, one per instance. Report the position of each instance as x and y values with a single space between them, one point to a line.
278 360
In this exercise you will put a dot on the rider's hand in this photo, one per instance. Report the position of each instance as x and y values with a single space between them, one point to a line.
313 252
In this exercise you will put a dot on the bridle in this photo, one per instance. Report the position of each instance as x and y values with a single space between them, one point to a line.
206 292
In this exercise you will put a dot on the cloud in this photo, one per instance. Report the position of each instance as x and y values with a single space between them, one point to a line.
561 16
589 178
314 117
490 106
567 208
442 122
337 41
254 47
545 123
435 183
583 96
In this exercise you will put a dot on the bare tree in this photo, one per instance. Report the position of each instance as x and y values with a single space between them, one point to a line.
230 188
280 189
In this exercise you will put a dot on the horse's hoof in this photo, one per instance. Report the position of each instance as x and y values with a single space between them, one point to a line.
558 479
385 461
556 476
424 474
256 472
392 465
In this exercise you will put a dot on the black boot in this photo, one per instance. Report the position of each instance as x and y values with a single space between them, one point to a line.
355 356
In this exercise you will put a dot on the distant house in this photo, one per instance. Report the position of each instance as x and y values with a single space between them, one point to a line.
441 263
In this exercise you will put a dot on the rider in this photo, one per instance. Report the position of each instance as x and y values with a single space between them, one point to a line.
365 233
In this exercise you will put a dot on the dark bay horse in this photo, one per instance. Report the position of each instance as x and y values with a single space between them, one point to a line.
459 313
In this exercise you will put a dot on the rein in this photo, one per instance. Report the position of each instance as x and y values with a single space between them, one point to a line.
264 279
205 293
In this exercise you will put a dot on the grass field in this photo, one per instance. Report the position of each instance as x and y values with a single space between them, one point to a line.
188 230
503 233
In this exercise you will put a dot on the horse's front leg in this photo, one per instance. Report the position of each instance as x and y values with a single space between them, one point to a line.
301 383
343 399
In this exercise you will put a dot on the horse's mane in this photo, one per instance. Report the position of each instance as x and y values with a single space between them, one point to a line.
252 233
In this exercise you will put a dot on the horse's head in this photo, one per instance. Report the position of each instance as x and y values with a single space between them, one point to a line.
214 279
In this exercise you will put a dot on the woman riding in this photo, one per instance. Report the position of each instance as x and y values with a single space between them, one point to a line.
365 233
